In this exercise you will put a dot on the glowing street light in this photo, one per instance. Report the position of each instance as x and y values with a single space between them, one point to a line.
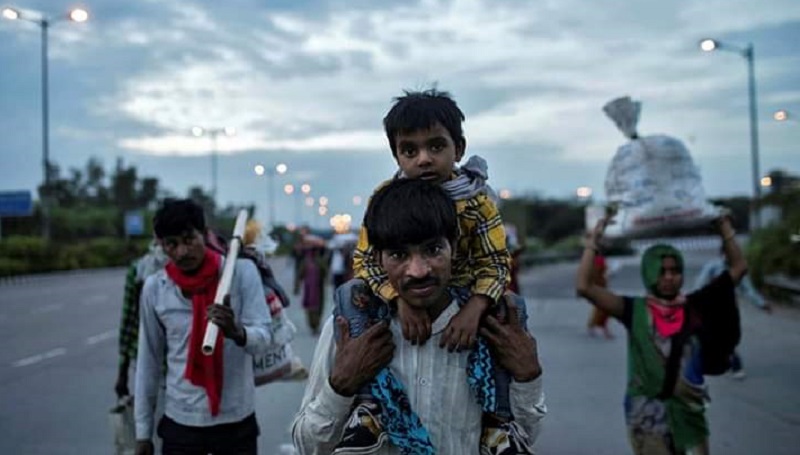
584 192
44 23
322 210
709 45
505 194
766 181
288 189
10 14
79 15
323 201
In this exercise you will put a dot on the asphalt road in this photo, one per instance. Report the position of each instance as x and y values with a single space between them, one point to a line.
58 367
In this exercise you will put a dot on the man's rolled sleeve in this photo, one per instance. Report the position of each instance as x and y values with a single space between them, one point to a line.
528 406
323 413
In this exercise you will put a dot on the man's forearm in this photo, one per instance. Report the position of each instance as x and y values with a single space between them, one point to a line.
318 427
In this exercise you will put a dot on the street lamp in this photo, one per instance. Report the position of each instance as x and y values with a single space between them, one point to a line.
44 23
583 192
279 169
505 194
709 45
198 131
784 116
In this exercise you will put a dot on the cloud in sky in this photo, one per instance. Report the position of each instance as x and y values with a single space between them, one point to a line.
302 78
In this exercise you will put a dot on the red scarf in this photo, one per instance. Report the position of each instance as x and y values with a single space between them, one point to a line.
667 314
202 370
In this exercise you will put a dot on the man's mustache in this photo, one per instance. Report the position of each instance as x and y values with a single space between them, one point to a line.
420 283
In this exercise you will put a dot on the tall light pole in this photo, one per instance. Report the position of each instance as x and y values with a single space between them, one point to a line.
44 23
213 133
709 45
279 169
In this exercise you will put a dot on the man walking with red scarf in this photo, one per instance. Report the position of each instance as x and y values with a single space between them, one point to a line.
209 400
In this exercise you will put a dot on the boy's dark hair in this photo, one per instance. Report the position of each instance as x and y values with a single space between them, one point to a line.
420 111
176 216
410 212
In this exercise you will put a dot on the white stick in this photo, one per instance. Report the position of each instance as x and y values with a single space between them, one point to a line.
224 287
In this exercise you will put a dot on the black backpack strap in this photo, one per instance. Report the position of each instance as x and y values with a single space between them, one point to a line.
673 365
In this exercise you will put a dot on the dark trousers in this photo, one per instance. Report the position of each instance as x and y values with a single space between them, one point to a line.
238 438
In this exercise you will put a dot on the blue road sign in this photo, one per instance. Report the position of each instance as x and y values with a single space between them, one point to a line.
16 203
134 223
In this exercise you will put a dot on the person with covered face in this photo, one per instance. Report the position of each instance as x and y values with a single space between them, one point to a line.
666 396
429 393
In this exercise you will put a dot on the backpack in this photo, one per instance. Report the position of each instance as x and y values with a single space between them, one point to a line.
719 333
217 243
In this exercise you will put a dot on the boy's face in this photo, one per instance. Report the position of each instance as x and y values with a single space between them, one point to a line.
186 250
419 273
428 154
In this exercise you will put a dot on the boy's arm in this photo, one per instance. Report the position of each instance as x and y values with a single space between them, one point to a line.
488 250
366 267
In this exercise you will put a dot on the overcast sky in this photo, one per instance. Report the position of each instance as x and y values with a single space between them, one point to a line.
307 83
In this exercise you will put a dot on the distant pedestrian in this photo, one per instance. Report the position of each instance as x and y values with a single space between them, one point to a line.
598 319
312 275
341 247
152 262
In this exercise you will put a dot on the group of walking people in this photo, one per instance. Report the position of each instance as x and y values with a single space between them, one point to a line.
426 350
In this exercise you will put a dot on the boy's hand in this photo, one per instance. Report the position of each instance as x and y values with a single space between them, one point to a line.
462 331
415 322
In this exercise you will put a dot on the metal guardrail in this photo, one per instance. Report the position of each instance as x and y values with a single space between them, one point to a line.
783 282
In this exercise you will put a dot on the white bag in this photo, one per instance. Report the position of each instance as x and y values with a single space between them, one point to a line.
652 181
279 363
123 426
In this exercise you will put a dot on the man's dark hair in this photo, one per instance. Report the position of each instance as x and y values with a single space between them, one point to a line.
416 111
177 216
410 212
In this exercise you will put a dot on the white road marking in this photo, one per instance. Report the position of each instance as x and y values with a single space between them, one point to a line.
39 357
47 308
95 299
107 335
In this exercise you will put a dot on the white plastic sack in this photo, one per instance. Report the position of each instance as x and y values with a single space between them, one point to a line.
278 363
652 181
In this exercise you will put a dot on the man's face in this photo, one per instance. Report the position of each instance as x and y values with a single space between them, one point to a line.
420 273
186 250
428 154
670 280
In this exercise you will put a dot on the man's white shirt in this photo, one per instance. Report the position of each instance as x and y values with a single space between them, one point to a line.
436 383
